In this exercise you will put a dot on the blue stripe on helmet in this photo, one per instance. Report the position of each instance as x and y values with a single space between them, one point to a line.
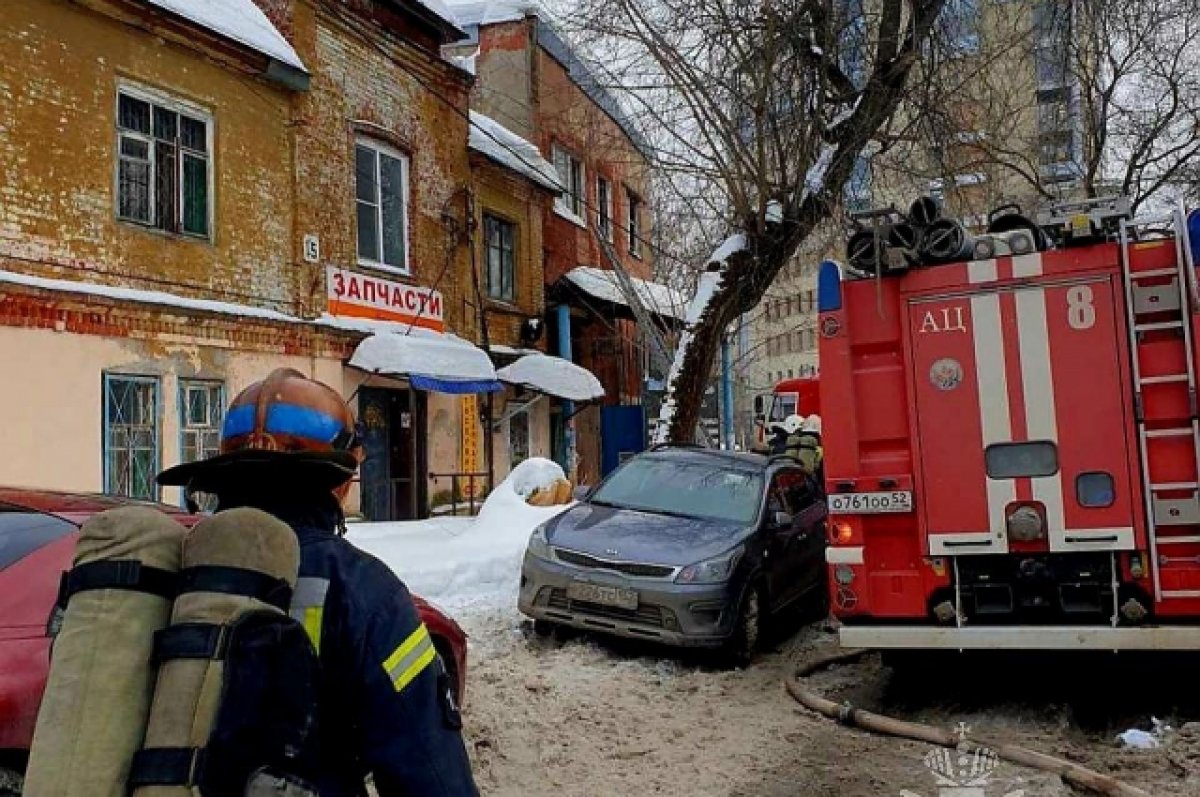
288 419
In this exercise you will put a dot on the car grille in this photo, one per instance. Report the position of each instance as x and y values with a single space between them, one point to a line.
645 614
628 568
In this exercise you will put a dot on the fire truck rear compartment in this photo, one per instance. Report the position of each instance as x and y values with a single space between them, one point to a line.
1035 589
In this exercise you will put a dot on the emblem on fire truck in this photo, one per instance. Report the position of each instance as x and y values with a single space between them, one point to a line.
962 772
946 373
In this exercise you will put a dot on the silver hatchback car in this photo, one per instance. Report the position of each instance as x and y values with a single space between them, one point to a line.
684 546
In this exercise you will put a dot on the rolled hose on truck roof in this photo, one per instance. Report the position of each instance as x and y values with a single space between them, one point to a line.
848 715
93 713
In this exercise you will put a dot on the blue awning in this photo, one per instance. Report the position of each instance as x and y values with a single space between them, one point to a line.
437 385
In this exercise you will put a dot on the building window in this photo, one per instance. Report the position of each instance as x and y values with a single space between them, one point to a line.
201 412
163 171
518 438
570 170
381 194
131 436
604 207
960 24
500 237
633 203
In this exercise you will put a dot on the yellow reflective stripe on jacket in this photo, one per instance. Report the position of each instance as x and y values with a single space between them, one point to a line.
411 658
308 606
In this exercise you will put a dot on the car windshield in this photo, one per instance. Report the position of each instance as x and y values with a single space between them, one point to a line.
693 489
783 406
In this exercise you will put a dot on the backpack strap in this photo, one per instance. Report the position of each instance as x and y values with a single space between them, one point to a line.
191 641
236 581
129 574
166 766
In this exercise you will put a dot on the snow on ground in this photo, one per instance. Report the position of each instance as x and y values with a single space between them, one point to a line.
467 565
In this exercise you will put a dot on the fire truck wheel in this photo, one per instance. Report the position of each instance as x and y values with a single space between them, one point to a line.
10 783
543 628
743 642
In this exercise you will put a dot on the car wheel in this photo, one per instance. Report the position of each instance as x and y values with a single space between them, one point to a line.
544 628
747 631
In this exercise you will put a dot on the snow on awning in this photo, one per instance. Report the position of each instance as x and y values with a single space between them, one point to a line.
553 376
429 361
604 285
496 142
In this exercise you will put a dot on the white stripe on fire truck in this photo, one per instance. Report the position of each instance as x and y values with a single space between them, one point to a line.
981 271
1033 341
1027 265
993 395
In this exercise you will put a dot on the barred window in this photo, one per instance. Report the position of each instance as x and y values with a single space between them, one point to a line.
131 436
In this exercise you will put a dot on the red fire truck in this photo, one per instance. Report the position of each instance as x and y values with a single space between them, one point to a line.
797 396
1011 447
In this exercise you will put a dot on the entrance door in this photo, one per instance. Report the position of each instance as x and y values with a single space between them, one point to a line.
622 433
393 484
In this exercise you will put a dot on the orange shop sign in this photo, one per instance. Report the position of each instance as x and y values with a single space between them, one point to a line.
356 295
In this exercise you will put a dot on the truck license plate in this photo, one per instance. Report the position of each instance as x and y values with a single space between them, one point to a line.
870 503
606 596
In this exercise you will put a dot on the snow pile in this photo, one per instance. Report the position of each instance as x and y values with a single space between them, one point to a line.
464 563
240 20
603 284
426 353
1145 740
493 140
553 376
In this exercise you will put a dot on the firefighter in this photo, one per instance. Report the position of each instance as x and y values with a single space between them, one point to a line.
784 432
289 447
805 446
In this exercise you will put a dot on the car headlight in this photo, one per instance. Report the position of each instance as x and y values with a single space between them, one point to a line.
538 545
711 571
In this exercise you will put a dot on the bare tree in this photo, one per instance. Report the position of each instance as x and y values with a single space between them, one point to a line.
764 106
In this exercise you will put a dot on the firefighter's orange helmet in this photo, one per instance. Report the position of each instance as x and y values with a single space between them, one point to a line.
285 429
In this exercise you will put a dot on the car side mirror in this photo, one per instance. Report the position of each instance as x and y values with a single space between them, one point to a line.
781 520
760 405
581 492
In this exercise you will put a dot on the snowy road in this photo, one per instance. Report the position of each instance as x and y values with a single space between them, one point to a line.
607 719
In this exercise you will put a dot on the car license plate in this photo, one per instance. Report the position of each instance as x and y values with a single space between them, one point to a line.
870 503
604 595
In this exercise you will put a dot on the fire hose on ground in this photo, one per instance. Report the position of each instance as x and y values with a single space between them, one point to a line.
853 717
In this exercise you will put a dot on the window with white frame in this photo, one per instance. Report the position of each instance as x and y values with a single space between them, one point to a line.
381 199
633 205
500 241
201 413
604 207
571 201
131 436
164 169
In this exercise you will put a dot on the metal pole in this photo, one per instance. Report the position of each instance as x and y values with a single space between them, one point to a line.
568 408
727 390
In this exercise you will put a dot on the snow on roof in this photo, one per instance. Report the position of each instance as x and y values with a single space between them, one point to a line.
240 20
422 352
494 12
553 376
603 284
492 139
147 297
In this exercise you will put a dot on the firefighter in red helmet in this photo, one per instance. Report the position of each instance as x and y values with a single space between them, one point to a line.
289 447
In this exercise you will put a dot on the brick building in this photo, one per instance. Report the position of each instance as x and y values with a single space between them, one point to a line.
530 80
145 237
189 199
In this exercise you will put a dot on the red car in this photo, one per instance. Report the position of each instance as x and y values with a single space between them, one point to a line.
38 529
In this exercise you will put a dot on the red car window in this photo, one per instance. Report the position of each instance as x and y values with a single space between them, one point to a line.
23 532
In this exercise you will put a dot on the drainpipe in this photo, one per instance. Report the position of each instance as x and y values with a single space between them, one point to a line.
564 351
727 390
